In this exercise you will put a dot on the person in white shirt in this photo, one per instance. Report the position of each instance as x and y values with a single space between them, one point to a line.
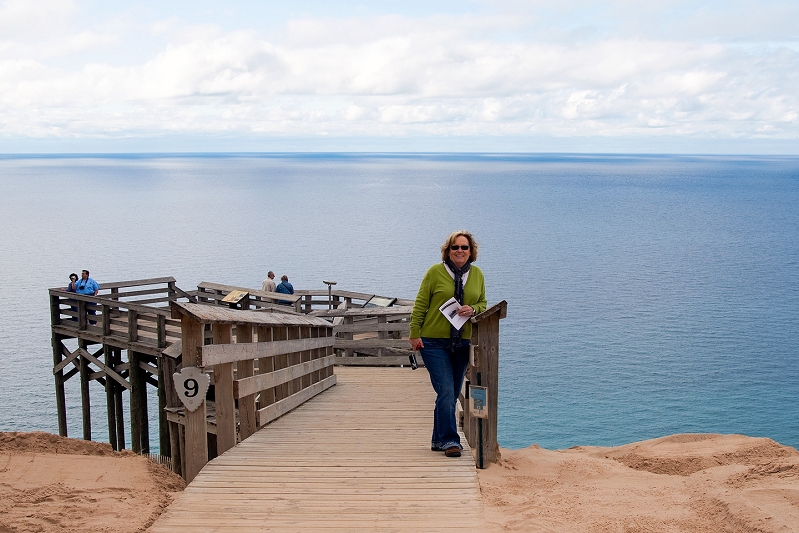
269 282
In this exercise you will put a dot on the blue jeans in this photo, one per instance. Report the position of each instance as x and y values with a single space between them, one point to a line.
447 370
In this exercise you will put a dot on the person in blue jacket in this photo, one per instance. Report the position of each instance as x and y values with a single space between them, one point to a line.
284 287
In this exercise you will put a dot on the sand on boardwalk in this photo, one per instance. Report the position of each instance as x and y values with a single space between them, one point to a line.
51 484
682 483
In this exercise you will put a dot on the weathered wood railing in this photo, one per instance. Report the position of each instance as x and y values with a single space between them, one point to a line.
134 322
293 356
214 293
370 336
481 433
313 300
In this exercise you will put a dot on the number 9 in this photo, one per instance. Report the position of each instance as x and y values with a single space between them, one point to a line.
192 387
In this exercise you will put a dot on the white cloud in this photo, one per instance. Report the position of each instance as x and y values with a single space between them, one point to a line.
390 75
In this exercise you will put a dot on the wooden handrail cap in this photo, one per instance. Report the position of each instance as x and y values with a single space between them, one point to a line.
501 308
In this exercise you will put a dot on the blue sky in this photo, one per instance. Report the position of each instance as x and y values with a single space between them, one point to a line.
531 76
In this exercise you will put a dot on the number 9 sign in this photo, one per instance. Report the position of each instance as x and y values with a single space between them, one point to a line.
191 385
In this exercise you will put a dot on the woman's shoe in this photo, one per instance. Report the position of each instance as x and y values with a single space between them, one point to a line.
452 451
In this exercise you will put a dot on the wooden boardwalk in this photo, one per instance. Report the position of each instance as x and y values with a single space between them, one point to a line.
355 458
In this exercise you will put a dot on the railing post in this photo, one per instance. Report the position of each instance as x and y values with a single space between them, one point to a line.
55 310
223 394
133 325
82 320
196 439
246 369
106 319
485 373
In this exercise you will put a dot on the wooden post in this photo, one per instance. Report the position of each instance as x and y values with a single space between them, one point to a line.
55 310
246 369
196 439
106 319
485 337
118 407
265 366
84 392
163 423
133 325
381 319
172 400
136 407
110 391
281 362
223 384
347 335
82 321
60 397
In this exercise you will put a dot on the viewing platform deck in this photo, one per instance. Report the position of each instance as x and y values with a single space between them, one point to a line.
355 458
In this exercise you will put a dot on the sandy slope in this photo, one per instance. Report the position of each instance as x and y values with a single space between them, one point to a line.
50 484
682 483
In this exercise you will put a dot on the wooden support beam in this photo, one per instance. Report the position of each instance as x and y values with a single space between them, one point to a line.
84 391
108 356
103 367
60 397
135 402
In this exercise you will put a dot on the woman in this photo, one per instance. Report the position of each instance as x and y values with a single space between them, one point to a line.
72 287
73 283
444 348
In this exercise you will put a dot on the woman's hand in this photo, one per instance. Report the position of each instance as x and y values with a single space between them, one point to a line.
416 343
466 310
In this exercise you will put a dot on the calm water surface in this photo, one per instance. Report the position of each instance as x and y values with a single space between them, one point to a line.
647 295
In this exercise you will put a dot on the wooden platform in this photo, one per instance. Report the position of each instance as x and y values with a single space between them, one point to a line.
355 458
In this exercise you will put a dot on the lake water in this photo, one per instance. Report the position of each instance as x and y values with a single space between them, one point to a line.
647 295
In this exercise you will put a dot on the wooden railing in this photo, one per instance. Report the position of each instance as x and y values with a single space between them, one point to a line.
365 333
126 311
481 433
214 293
293 356
375 336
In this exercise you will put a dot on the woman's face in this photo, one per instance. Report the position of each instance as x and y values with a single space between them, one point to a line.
460 256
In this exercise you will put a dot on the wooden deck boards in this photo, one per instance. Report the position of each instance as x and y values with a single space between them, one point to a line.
355 458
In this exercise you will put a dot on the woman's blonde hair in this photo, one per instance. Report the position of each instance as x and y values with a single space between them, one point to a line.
451 240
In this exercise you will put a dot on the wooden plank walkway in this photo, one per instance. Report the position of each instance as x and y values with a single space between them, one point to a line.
355 458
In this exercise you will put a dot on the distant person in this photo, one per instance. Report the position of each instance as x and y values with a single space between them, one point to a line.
443 347
72 287
284 288
269 282
73 283
88 286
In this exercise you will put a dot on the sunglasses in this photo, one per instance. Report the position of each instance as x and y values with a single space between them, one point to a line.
461 247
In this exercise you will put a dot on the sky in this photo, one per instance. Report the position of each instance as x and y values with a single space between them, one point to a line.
673 76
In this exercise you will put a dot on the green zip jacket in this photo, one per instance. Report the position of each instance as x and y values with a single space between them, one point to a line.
437 287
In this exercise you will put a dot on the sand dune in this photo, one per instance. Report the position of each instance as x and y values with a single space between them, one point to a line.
681 483
50 484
